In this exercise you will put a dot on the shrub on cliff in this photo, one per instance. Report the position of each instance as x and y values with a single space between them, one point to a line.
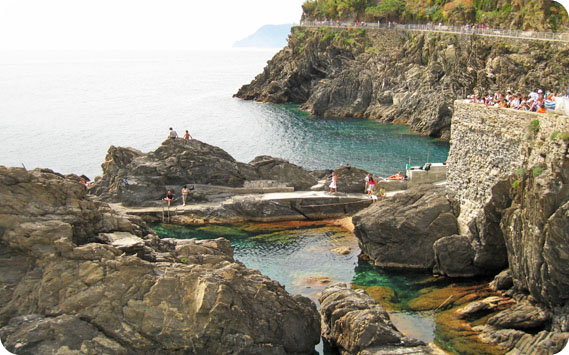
525 15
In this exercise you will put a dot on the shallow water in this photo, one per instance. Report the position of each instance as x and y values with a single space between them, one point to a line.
301 256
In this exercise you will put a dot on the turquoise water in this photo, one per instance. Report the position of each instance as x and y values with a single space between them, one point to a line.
63 110
301 257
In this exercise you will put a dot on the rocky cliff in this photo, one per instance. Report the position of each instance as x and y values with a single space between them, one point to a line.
77 277
403 77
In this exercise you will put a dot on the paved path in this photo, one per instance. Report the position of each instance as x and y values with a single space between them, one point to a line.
490 32
335 199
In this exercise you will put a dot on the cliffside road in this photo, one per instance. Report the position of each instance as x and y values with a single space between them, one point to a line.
492 32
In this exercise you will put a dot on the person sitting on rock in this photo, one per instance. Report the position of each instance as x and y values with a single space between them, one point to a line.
382 193
173 134
397 176
374 195
187 135
169 197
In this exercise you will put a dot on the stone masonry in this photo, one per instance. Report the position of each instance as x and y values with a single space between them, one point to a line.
488 144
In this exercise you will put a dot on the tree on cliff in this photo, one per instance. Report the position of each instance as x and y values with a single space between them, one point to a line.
530 15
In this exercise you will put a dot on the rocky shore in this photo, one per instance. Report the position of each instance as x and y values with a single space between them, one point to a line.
79 278
402 76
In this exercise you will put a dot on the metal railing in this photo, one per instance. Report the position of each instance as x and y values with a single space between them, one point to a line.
469 30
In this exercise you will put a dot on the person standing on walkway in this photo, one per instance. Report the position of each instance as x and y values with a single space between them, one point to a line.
187 135
334 183
173 134
185 192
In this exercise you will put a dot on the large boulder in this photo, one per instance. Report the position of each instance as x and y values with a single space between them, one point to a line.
400 231
80 277
269 168
142 179
454 256
355 323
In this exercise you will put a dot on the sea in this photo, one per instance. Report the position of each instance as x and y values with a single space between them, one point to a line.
62 110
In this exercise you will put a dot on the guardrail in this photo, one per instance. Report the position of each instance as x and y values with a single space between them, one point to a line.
493 32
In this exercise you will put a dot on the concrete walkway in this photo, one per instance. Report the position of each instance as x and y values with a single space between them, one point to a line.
298 205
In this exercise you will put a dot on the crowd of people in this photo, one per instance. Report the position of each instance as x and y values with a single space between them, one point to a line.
536 101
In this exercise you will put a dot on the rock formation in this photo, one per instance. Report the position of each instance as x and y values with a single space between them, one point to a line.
354 323
402 77
400 231
78 277
136 178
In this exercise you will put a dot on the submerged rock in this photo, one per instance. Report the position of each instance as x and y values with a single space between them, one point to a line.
79 277
400 231
355 323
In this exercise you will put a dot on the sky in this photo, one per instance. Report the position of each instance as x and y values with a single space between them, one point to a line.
137 24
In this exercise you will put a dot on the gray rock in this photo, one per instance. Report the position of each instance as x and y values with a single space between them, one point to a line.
280 170
355 323
522 316
79 279
400 231
502 281
454 256
138 179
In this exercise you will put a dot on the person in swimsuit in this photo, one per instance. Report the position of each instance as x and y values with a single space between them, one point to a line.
333 184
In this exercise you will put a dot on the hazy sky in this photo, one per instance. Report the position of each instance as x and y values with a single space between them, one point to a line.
137 24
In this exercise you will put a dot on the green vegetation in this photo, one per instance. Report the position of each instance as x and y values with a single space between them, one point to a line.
532 14
554 135
516 184
184 260
536 172
534 127
520 172
565 137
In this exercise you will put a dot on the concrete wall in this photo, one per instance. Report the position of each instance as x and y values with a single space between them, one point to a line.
437 172
489 143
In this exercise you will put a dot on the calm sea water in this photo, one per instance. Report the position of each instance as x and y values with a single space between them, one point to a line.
62 110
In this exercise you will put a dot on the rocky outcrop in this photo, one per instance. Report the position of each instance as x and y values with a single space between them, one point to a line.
79 277
536 225
402 77
355 323
269 168
136 178
400 231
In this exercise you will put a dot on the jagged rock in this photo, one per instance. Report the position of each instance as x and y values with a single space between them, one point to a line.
35 334
270 168
78 279
536 224
398 76
355 323
487 304
454 256
522 316
486 235
138 179
502 281
400 231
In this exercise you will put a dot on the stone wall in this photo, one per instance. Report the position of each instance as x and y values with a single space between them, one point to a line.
488 144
